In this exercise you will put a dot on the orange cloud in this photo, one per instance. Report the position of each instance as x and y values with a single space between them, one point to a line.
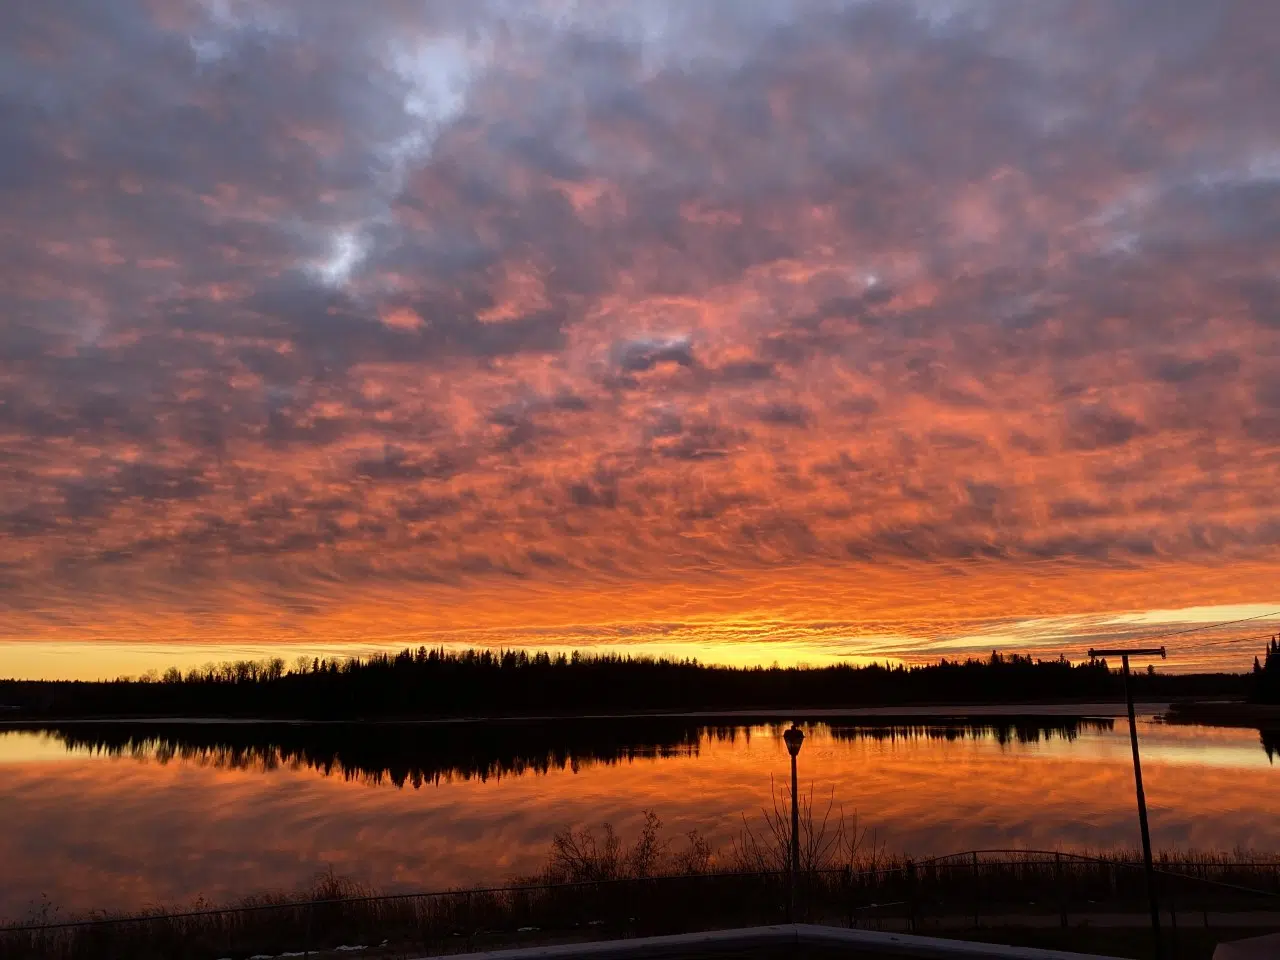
372 328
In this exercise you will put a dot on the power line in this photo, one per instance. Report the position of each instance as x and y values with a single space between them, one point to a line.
1222 641
1213 626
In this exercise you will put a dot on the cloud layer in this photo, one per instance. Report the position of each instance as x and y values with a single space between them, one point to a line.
320 318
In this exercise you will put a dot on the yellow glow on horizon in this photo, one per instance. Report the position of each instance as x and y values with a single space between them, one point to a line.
731 641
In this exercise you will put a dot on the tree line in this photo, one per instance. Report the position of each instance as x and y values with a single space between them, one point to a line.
441 683
1266 675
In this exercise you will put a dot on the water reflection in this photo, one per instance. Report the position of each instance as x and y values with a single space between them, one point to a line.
418 754
123 815
1023 730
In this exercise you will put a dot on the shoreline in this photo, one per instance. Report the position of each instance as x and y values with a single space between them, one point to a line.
932 713
1225 713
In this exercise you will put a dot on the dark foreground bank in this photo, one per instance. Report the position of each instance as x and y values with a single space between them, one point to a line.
1042 899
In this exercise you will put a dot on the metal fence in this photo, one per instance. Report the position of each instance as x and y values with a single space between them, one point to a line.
1012 887
991 888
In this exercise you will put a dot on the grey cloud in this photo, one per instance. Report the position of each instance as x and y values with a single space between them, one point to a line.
421 508
1179 370
1261 294
665 425
1095 428
634 356
30 521
695 439
397 465
783 415
283 430
570 402
136 481
876 208
858 405
1075 509
589 494
744 371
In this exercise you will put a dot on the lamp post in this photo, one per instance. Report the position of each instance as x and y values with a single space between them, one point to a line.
1124 656
793 738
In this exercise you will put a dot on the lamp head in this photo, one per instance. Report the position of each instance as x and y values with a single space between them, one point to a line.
793 739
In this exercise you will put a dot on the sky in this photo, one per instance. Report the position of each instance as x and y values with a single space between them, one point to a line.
804 330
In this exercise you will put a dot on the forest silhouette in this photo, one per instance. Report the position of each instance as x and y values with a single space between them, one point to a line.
435 683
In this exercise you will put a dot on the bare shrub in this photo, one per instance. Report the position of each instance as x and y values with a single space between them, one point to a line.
829 839
577 855
696 859
581 855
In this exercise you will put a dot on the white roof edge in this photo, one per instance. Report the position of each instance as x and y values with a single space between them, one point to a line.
906 945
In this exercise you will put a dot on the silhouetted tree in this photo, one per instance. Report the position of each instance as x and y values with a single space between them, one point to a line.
1266 675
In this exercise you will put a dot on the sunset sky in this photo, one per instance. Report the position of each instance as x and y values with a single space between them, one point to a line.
799 330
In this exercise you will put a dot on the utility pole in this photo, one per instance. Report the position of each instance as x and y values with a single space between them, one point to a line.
793 738
1124 656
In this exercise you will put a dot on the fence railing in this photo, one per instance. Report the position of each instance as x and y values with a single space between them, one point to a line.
1008 886
954 892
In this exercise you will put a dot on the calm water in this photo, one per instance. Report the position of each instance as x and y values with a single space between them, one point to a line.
126 815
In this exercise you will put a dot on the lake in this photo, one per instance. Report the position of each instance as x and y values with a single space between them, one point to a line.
121 815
